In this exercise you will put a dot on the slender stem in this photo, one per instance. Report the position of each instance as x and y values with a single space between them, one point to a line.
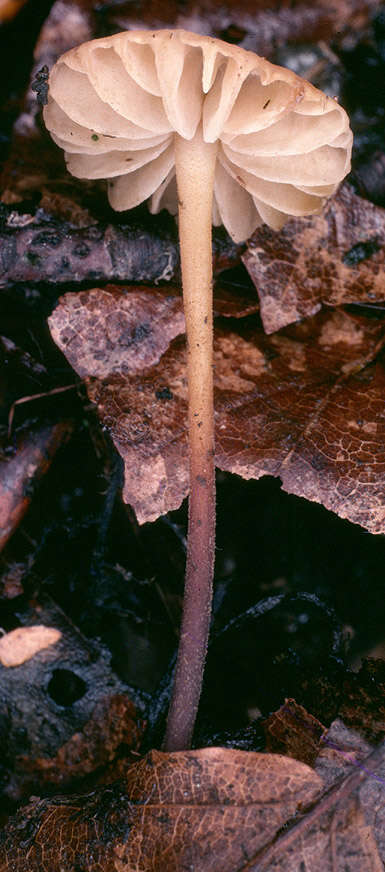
195 168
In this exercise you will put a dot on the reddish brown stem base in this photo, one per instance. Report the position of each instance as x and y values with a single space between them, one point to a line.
195 166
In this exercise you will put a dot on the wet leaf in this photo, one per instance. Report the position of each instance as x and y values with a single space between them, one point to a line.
210 809
333 258
21 471
213 809
305 405
293 731
363 704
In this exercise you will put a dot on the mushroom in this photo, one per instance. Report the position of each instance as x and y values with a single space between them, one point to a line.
218 135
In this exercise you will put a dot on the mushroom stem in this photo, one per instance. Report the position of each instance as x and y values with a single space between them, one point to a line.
195 169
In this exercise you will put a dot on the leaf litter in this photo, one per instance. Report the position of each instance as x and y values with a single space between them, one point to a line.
305 404
333 258
212 810
282 407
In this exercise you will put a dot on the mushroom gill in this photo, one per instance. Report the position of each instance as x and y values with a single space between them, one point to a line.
283 145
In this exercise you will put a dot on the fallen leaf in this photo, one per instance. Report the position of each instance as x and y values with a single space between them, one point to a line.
333 258
213 810
210 809
114 330
21 644
344 829
363 702
21 472
294 732
315 417
305 405
338 841
117 330
344 751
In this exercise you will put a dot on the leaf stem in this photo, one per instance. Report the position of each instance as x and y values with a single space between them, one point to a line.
195 169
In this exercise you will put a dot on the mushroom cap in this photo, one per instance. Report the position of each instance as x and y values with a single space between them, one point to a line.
115 103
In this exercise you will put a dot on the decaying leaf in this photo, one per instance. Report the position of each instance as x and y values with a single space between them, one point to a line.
293 731
345 829
20 473
153 820
21 644
212 810
305 405
333 258
343 752
117 330
363 703
338 841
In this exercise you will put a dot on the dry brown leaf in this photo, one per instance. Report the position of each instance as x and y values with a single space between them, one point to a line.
51 250
345 829
333 258
305 405
338 841
21 644
209 810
